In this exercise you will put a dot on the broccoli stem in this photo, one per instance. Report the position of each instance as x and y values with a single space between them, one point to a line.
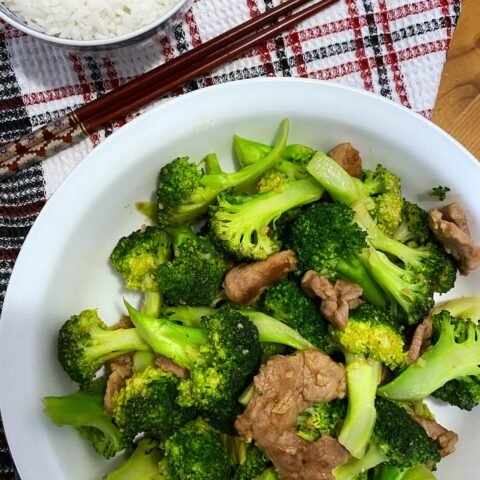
249 152
445 361
363 376
373 457
152 304
336 181
268 474
463 307
354 271
419 472
270 330
141 465
149 209
247 394
177 342
212 165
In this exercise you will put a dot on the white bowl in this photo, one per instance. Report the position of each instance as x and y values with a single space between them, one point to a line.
162 23
63 266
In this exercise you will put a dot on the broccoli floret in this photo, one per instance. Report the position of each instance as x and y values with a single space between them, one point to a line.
252 463
242 224
440 192
455 353
321 419
85 343
222 356
463 392
85 412
142 464
268 474
196 452
271 349
285 301
327 240
272 180
194 276
148 404
138 256
386 205
403 441
372 332
419 472
184 193
270 330
363 377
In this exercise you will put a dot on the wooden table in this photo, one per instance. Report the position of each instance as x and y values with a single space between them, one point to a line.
457 109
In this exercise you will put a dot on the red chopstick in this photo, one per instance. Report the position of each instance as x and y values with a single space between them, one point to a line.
58 135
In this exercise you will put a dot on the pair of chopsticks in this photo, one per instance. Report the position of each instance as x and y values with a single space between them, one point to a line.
60 134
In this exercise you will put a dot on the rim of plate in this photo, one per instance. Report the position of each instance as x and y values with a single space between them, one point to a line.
15 21
14 436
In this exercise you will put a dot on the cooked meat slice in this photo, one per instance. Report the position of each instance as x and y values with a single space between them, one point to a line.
446 440
119 369
284 387
337 299
245 283
171 367
347 157
295 458
450 227
124 322
423 333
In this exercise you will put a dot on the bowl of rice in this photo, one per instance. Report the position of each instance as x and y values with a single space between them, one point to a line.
91 24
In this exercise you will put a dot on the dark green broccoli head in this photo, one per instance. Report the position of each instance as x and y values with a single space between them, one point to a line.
285 301
324 235
414 226
271 349
440 192
195 275
253 464
85 412
380 181
229 361
372 332
148 403
85 343
197 452
402 440
462 392
321 419
137 257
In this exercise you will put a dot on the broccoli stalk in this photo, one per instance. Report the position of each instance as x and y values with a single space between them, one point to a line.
85 412
363 376
419 472
141 465
463 307
455 354
356 466
85 343
241 224
184 193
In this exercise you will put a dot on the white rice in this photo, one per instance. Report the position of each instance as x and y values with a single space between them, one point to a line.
88 19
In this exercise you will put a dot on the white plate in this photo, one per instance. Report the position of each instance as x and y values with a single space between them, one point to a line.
63 266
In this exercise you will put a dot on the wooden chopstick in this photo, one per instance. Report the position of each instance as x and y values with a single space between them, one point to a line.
52 138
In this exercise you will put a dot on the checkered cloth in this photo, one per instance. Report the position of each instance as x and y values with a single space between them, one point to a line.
395 48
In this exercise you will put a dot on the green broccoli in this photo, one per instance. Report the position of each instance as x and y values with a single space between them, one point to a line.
363 377
455 353
148 403
286 302
85 343
142 464
440 192
222 357
322 418
196 452
272 180
138 256
184 193
386 202
85 412
326 239
244 225
271 349
467 308
419 472
194 276
268 474
372 332
252 462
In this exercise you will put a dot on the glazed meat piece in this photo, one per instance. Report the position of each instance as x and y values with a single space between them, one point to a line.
347 157
423 333
284 387
446 440
337 298
245 283
119 370
171 367
450 227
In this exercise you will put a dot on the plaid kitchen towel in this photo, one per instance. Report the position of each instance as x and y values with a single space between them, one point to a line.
395 48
